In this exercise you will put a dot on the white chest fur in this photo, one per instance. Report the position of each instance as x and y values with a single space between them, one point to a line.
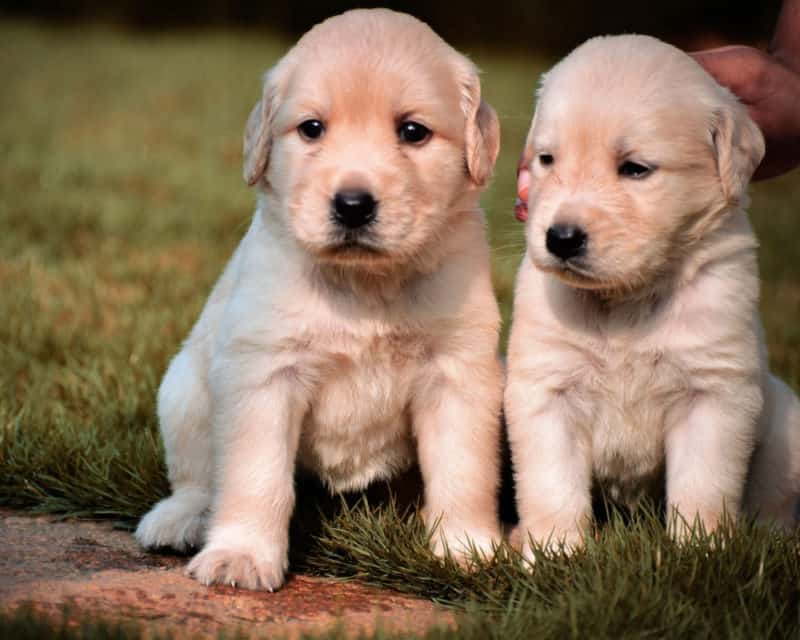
358 427
632 399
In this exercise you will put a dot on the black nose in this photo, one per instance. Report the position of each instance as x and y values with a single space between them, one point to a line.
353 209
566 241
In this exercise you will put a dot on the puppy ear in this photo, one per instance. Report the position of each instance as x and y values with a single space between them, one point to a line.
739 146
258 132
482 135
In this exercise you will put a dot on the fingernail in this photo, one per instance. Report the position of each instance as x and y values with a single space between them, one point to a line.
520 210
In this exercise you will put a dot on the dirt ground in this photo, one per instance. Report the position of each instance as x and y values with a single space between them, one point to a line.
92 568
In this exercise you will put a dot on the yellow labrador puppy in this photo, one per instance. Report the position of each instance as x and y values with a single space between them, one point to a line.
355 329
637 354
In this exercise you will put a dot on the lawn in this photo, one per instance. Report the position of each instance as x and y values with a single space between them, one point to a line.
121 198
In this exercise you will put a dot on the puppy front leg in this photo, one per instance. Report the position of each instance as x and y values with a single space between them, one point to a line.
458 437
552 468
707 460
257 439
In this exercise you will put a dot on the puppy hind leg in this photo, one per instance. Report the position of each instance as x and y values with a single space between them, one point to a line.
180 521
773 488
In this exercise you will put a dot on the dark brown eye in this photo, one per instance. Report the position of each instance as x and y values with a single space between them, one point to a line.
630 169
413 132
546 159
311 129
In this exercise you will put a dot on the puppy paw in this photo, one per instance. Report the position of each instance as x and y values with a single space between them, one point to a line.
529 544
686 531
514 538
463 545
239 568
178 522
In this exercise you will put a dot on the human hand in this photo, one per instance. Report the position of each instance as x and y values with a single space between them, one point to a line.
523 186
771 91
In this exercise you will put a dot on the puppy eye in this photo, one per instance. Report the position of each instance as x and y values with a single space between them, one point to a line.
631 169
546 159
311 129
413 132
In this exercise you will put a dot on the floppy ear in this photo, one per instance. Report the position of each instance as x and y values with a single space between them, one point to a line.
258 132
482 135
739 145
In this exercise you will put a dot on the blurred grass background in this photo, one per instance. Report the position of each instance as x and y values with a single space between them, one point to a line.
543 26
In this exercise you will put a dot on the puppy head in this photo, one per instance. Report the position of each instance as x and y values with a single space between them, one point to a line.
635 154
369 138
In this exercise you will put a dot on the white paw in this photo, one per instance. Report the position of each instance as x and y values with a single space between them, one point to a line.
463 544
239 568
524 541
527 553
178 522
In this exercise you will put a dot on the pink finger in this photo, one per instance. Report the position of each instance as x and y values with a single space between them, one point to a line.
523 187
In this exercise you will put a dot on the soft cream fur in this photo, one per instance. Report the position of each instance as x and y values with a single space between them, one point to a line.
645 359
351 362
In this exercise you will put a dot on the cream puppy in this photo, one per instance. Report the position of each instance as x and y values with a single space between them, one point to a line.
637 355
355 329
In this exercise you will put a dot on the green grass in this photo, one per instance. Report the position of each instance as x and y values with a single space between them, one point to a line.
120 200
631 580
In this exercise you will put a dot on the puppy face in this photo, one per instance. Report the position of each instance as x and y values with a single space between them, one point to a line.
635 153
371 134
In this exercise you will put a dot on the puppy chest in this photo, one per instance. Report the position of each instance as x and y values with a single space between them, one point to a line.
358 428
633 401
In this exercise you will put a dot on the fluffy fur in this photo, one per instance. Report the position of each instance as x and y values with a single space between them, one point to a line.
643 360
352 359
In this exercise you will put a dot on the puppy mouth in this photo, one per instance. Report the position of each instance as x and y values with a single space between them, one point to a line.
573 271
353 246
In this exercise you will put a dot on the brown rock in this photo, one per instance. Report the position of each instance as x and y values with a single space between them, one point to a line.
94 569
